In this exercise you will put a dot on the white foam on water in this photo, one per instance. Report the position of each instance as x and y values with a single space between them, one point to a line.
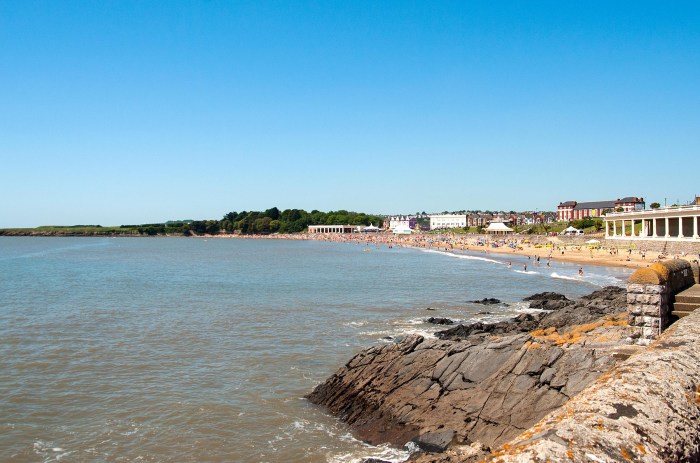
412 321
528 272
360 323
363 450
382 452
49 451
591 278
462 256
393 334
603 280
565 277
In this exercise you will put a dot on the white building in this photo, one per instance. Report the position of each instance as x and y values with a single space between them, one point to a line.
498 228
442 221
332 228
407 221
673 223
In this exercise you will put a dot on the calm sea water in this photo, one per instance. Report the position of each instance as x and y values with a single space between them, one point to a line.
194 350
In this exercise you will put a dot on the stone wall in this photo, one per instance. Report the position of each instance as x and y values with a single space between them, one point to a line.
650 294
646 409
669 247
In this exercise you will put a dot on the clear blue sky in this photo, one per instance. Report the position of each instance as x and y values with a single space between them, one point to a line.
115 112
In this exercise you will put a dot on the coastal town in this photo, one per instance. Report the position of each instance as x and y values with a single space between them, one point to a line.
618 232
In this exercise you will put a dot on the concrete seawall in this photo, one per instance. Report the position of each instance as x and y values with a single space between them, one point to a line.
646 409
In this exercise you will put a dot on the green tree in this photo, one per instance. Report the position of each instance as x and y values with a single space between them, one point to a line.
213 227
262 225
655 205
273 213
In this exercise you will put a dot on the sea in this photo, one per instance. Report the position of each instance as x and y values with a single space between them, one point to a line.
201 350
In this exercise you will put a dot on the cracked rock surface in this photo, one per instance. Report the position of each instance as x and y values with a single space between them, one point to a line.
481 383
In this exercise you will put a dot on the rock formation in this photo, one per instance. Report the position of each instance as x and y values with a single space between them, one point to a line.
478 386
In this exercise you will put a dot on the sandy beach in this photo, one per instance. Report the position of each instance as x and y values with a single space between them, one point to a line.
535 246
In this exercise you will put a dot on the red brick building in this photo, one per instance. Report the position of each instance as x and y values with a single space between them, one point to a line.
573 210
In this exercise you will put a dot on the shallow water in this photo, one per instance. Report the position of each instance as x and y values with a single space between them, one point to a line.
189 350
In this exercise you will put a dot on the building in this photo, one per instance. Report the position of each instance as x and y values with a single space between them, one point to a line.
478 220
573 210
673 223
332 228
498 228
443 221
408 221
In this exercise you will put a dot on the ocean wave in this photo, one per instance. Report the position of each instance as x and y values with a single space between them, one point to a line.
565 277
381 452
462 256
527 272
362 450
591 278
360 323
603 280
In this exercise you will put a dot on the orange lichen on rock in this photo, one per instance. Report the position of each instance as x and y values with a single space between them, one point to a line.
625 454
533 345
649 276
577 333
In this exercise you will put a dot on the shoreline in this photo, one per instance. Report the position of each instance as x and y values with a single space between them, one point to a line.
533 246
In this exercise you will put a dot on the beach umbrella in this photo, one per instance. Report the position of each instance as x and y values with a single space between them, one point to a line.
592 242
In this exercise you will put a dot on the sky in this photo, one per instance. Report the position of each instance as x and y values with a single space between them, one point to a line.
121 112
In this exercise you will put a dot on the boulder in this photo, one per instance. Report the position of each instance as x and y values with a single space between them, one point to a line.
487 301
440 321
546 296
434 441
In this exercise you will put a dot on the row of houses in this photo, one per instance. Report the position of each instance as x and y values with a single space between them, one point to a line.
566 211
573 210
470 220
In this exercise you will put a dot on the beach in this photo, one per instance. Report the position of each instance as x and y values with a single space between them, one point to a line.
544 248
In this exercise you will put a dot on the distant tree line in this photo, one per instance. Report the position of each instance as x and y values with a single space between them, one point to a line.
257 222
287 221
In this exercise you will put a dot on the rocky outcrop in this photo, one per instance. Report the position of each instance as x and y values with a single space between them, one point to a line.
484 384
645 410
587 309
548 301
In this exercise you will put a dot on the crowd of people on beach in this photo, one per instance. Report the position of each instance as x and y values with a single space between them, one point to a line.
534 246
